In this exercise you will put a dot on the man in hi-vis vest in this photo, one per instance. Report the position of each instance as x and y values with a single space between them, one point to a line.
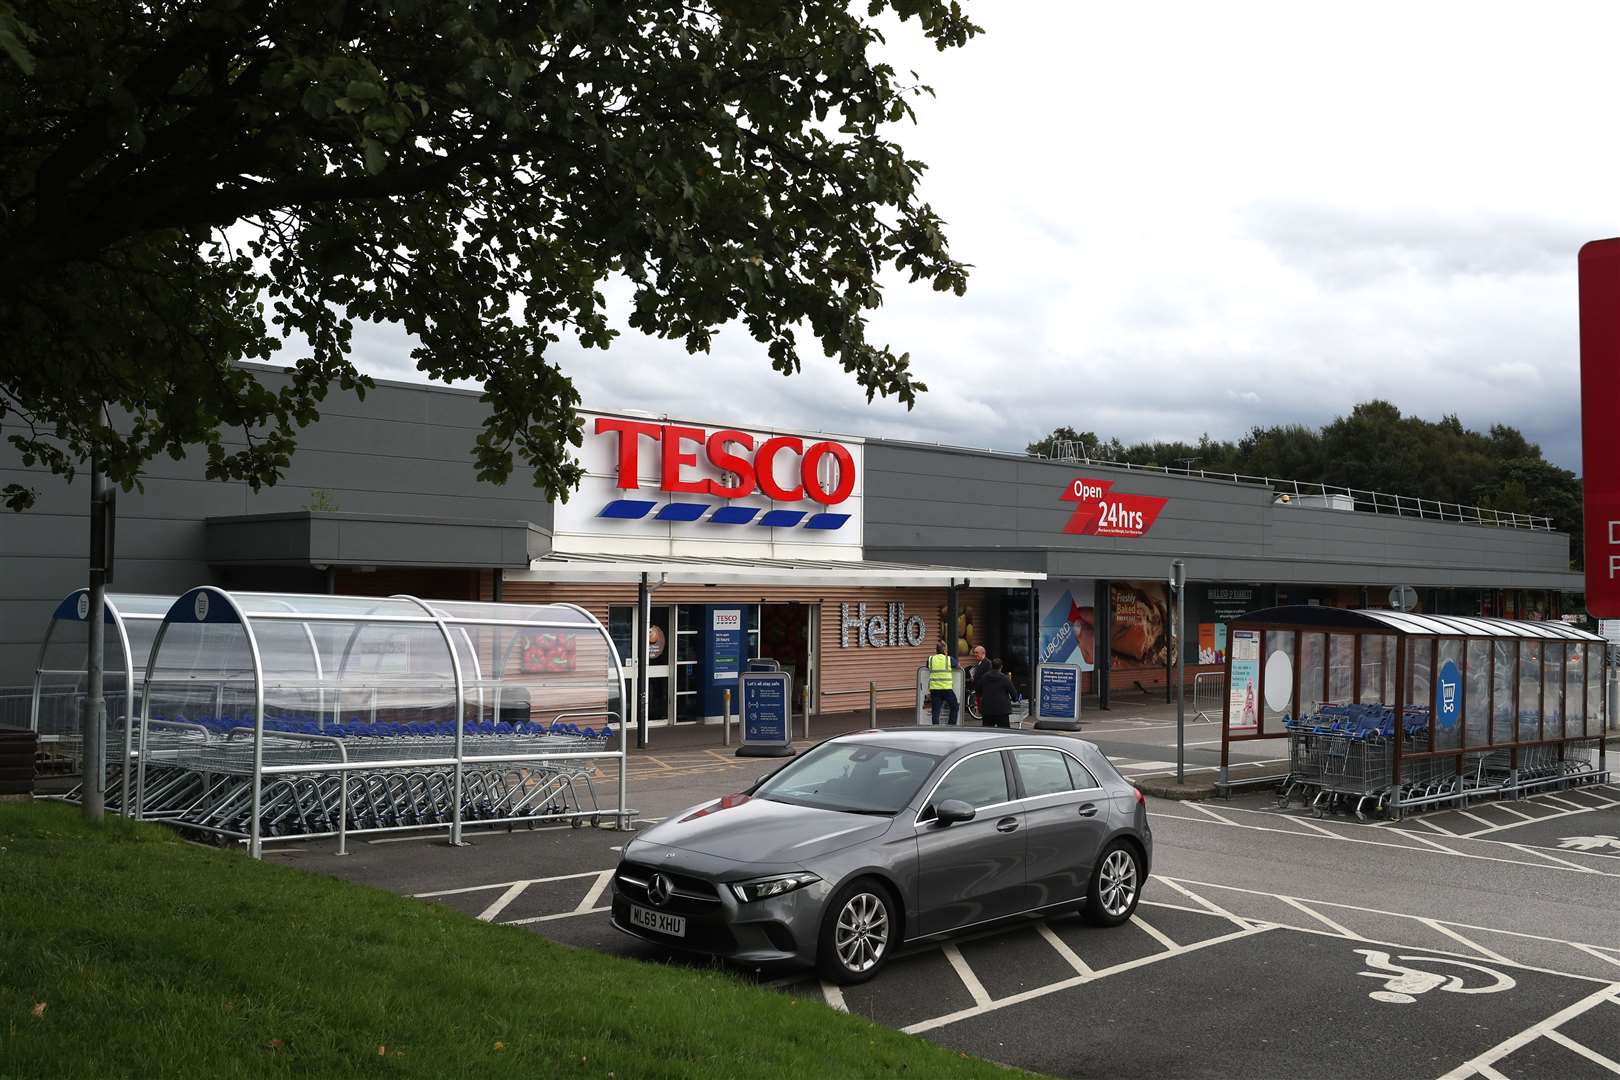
941 684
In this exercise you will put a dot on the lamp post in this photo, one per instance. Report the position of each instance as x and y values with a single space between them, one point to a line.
1178 584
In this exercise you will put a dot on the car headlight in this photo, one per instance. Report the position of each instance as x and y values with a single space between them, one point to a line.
765 888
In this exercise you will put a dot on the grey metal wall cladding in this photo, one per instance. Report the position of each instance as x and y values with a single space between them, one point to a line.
355 539
975 508
405 450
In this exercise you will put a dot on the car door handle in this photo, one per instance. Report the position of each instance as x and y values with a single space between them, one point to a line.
1007 824
1088 809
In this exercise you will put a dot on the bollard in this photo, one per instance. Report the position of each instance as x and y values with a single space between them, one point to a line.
725 718
805 694
871 705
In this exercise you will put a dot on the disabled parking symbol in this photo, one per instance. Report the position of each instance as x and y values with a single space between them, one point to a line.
1402 984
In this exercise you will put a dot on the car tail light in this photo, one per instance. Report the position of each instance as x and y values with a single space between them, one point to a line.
1141 799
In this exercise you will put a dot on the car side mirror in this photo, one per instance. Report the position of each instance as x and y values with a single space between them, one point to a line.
952 811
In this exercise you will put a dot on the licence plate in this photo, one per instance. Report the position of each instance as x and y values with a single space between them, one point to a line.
673 925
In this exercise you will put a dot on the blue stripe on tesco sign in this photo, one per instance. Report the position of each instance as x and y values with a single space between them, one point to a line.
748 465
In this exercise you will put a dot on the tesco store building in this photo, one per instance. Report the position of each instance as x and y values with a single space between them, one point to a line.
845 559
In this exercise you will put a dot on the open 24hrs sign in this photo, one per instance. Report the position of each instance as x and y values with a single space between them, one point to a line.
1101 511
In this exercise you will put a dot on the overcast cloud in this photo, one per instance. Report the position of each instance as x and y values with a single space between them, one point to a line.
1193 217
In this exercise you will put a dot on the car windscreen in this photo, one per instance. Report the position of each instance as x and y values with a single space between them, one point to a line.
856 777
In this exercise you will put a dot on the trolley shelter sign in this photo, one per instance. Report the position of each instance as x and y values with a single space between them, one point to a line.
1099 510
1600 423
1243 700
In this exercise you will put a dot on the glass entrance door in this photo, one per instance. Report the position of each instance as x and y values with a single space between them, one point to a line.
660 643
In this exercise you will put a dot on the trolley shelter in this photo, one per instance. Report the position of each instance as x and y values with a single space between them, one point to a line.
266 715
61 681
1389 710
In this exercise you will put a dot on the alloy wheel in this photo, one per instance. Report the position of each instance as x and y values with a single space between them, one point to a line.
1118 881
862 932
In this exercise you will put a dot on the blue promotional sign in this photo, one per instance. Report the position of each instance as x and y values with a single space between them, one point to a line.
765 714
722 656
1057 696
1448 695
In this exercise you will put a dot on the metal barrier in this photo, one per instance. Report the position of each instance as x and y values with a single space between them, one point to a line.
872 691
1209 694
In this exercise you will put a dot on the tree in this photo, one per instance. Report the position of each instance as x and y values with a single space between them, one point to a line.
187 184
183 185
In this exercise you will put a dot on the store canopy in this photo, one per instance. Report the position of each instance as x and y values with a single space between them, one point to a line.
1410 622
696 570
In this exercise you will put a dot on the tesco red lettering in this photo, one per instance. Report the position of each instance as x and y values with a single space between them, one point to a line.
733 452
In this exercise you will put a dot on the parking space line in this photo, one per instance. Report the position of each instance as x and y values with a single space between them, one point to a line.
1324 830
1337 928
1476 817
1549 817
1217 820
1530 1034
502 885
1435 924
1156 935
1064 984
1506 809
1542 854
1431 825
833 995
1556 799
1209 905
1405 915
597 889
1063 950
511 894
1597 951
959 964
1488 1073
554 916
1206 811
1586 1052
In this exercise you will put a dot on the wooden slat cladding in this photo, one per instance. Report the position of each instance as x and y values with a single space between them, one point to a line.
845 671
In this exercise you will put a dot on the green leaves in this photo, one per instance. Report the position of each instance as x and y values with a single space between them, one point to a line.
15 37
472 173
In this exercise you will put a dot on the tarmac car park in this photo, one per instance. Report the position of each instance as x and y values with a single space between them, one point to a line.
1479 942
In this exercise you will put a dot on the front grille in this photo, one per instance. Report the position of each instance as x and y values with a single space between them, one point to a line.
691 895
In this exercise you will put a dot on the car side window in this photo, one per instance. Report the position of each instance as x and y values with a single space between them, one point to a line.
979 781
1080 775
1043 772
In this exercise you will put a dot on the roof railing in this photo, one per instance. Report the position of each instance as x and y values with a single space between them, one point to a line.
1326 496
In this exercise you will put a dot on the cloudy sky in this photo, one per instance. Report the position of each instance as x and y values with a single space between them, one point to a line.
1195 217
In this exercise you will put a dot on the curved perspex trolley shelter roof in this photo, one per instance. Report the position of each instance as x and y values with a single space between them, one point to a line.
61 677
1391 709
278 685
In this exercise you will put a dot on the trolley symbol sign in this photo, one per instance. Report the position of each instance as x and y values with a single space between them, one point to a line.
1402 983
1448 695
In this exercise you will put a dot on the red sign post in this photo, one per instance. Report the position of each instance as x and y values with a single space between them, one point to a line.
1600 423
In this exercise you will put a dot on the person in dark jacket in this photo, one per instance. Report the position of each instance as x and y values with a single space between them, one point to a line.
996 695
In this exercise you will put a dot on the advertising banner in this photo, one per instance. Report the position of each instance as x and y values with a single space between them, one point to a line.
1101 511
1600 423
1244 695
1141 630
765 716
1210 608
1068 633
1057 696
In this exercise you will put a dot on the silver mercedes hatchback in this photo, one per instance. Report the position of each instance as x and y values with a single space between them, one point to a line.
882 837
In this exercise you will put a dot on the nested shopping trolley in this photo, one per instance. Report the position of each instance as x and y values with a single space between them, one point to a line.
272 715
1391 711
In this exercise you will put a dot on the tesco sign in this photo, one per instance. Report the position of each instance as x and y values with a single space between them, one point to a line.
747 465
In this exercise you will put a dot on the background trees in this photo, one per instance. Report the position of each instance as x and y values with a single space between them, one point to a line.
1375 448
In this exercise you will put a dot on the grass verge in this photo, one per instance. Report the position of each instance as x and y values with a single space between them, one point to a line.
153 957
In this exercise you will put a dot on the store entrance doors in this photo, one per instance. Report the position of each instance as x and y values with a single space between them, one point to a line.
787 634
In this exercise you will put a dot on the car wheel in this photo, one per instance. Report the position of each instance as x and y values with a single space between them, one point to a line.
858 932
1116 886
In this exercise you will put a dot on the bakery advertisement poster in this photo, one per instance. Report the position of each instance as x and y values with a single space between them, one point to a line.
1141 630
1068 630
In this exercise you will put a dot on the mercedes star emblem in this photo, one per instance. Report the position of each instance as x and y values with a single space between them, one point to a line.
659 888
